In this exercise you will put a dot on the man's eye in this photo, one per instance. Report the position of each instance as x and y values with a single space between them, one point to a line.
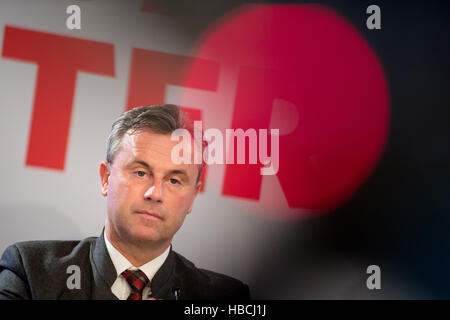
174 181
141 173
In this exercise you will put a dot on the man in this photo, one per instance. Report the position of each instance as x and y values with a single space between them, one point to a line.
148 195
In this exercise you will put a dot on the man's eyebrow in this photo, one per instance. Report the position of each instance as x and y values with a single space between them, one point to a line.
142 163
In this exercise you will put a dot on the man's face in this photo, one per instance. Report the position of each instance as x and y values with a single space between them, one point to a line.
148 196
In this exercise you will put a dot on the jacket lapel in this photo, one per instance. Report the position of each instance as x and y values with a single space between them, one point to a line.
165 282
103 271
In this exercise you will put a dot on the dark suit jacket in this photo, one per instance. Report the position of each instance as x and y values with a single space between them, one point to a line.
39 270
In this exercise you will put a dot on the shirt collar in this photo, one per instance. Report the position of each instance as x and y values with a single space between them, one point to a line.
121 263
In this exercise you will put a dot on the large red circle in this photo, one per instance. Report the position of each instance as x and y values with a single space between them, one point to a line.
329 73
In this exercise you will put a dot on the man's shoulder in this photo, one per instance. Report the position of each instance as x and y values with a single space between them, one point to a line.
51 248
48 253
213 284
38 269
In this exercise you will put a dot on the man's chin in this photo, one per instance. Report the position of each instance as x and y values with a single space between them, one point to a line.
146 234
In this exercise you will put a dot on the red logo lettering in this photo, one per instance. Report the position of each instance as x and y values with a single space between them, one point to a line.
59 58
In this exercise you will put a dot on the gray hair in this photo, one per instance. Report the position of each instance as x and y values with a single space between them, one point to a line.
162 119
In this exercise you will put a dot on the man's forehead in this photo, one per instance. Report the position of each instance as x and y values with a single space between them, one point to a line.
145 146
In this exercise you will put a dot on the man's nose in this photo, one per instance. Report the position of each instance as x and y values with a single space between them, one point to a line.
155 191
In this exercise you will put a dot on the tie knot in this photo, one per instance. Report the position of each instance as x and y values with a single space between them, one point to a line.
137 281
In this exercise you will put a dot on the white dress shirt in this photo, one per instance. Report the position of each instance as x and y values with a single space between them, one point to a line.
120 288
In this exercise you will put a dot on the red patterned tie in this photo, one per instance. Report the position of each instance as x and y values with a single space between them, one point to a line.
137 281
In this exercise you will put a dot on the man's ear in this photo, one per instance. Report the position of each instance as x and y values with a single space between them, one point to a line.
105 172
197 189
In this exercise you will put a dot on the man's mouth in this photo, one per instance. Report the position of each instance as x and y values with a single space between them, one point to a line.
149 214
